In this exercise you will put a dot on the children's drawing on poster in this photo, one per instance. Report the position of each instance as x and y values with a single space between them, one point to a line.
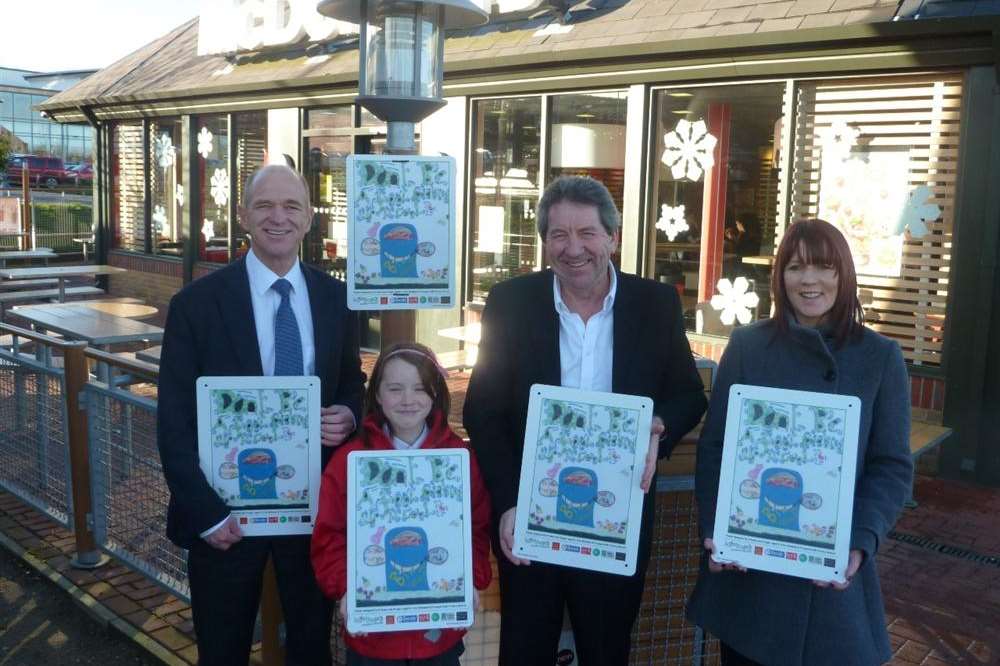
788 480
258 446
579 501
401 232
865 192
409 540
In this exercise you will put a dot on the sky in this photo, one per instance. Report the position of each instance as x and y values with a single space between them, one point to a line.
52 35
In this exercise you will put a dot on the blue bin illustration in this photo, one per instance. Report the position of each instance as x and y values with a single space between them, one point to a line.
576 496
406 559
257 469
399 250
780 498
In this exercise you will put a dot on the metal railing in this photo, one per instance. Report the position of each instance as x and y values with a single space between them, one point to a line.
56 220
34 437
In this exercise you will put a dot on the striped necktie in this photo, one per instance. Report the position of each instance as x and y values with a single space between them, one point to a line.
287 342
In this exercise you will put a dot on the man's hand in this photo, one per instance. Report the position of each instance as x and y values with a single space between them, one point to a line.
507 537
854 560
336 422
224 537
716 567
653 455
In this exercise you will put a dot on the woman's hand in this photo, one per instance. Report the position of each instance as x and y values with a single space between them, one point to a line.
717 567
854 561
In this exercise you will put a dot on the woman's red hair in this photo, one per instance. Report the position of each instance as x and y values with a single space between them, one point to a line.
819 243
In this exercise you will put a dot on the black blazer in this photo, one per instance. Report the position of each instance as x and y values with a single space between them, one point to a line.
210 331
520 347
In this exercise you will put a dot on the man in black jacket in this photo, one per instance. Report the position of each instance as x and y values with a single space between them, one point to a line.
267 314
581 324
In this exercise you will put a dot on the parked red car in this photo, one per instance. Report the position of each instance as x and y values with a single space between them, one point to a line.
81 174
47 171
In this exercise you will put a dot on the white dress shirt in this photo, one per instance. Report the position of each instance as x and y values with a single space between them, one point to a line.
265 303
402 444
586 349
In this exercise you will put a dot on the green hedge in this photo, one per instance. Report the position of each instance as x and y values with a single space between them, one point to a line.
56 225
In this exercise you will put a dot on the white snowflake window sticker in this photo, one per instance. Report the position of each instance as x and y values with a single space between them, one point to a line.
672 221
165 151
179 194
207 229
917 213
205 143
160 219
838 139
220 187
689 149
734 300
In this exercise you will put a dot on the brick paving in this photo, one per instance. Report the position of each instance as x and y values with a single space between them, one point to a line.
942 607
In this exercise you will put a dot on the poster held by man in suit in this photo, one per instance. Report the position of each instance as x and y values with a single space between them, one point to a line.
259 447
579 498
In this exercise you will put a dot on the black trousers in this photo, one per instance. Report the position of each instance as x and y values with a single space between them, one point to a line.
602 608
225 594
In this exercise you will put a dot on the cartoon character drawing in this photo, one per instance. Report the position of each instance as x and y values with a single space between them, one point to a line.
257 469
577 496
780 498
398 243
405 556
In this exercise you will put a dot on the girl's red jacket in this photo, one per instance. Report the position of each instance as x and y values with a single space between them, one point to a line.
329 542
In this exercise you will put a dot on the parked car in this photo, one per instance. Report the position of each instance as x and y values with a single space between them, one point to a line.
47 171
81 174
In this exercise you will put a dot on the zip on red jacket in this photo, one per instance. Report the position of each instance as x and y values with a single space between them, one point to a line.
329 541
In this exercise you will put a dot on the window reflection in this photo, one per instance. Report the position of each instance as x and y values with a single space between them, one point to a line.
166 186
214 187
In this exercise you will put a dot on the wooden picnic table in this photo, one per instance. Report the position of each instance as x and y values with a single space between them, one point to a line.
150 355
77 321
42 253
131 308
59 272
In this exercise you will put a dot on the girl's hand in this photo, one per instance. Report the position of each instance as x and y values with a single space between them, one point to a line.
717 567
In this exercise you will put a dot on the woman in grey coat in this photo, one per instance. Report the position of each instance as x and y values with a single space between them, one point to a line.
815 341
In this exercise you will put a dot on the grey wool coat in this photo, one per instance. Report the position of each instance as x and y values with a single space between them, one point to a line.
775 619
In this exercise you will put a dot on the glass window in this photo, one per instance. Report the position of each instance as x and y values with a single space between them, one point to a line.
250 135
166 186
505 167
22 106
213 187
338 117
127 176
713 201
35 101
6 105
326 171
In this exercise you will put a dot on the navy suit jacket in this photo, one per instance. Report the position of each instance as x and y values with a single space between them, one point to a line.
520 347
210 331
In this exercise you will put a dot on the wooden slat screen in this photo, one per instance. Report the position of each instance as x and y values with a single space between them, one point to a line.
915 118
127 218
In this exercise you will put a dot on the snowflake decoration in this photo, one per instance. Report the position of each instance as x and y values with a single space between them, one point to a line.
688 150
160 219
734 300
672 221
838 139
165 151
179 194
207 229
917 213
220 187
205 143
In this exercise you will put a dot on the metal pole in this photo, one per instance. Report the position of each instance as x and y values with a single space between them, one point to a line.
76 373
22 242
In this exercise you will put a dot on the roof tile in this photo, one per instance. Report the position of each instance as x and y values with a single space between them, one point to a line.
840 5
738 28
772 10
780 24
693 20
824 20
731 15
684 6
874 15
804 7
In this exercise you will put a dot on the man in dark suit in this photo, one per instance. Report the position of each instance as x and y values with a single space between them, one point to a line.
581 324
266 314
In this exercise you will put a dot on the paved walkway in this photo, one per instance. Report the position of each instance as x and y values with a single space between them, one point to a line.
940 573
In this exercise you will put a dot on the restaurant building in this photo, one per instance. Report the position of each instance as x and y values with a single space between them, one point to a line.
713 123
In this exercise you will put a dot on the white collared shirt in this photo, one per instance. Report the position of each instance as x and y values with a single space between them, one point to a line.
265 303
586 349
402 444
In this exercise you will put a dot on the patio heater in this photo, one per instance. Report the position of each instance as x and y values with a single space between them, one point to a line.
400 74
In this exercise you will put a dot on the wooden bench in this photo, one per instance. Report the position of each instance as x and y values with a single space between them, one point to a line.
27 284
44 294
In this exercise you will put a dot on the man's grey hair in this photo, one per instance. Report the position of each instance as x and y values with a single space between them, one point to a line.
579 190
256 175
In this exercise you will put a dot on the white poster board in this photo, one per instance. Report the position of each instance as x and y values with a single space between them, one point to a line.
400 232
786 490
579 502
409 540
259 448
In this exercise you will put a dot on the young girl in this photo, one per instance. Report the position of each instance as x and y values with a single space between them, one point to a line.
406 407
